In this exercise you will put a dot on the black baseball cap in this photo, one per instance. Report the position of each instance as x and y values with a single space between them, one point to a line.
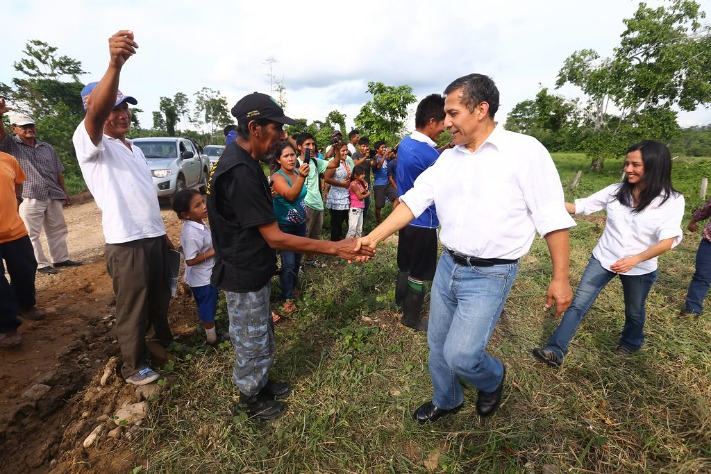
258 106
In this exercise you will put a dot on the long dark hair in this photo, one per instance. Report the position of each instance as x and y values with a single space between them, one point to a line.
657 176
274 164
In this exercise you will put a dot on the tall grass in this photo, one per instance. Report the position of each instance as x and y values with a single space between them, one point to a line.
358 375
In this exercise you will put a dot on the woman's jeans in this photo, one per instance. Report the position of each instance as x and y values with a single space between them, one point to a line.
290 262
701 280
465 305
635 289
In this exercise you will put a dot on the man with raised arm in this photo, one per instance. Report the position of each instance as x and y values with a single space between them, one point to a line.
118 176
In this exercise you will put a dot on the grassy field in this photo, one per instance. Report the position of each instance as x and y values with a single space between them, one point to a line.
358 375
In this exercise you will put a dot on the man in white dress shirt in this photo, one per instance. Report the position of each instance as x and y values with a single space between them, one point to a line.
492 191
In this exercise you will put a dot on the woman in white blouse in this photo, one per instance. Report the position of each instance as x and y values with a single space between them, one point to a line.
644 215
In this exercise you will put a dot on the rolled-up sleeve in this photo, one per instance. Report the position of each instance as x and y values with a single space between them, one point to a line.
671 225
595 202
543 194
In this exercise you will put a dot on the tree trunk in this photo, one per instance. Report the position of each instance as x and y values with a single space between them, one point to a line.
597 163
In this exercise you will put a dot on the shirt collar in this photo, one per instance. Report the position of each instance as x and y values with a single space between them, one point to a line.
19 140
495 138
421 137
197 225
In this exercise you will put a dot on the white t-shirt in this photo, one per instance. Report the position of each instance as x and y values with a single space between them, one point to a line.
195 238
120 181
491 202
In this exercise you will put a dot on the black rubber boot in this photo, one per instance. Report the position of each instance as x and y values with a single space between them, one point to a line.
412 310
262 408
401 287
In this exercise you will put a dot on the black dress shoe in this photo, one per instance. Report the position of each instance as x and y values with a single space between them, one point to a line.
47 271
488 402
429 412
68 263
275 390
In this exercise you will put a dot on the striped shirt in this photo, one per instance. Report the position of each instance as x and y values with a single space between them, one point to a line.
41 165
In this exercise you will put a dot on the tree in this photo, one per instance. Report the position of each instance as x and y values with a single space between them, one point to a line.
167 107
383 117
663 62
552 119
211 109
51 93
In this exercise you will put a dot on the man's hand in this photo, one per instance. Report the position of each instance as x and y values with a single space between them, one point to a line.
121 47
365 248
560 292
171 246
693 226
349 250
3 107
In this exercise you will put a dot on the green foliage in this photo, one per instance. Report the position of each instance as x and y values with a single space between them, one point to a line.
692 141
663 61
211 109
552 119
42 62
383 117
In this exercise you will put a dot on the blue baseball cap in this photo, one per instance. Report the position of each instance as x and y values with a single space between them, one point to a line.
120 98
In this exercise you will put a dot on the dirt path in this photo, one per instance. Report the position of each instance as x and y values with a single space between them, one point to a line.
49 386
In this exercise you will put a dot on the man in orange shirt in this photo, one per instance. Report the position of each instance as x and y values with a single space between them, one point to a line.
17 254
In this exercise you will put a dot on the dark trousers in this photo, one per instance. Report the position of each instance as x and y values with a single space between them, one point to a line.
19 293
337 220
141 281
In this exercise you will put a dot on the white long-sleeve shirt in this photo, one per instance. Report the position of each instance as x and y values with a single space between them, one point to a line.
628 233
491 202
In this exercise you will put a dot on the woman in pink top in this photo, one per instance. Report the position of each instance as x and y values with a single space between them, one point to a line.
358 191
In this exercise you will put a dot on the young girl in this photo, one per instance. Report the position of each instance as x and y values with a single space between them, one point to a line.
290 211
339 180
644 215
358 192
196 241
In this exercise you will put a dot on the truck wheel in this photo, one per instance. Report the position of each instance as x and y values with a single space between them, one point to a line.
205 177
180 185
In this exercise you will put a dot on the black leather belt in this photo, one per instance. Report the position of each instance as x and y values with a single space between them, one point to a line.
460 259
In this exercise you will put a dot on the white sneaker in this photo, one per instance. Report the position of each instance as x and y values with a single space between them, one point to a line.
143 377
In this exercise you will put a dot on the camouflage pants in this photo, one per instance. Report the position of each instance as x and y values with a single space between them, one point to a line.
252 338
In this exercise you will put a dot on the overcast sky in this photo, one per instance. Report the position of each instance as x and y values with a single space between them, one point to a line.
326 52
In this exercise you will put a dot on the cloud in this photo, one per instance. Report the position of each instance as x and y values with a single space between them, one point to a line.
325 53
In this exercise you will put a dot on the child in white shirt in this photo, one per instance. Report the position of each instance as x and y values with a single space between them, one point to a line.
196 240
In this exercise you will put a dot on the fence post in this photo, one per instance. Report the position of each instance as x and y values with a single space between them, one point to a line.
704 185
574 183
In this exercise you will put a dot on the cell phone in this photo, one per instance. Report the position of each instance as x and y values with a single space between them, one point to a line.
271 183
307 155
372 153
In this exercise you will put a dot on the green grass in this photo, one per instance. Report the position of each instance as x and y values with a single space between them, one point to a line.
358 375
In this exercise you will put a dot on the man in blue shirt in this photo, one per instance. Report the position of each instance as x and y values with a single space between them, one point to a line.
417 242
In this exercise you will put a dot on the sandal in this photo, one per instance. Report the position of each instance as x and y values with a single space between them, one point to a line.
288 307
275 317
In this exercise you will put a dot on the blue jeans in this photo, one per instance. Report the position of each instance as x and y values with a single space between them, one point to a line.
465 305
290 262
701 280
635 289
